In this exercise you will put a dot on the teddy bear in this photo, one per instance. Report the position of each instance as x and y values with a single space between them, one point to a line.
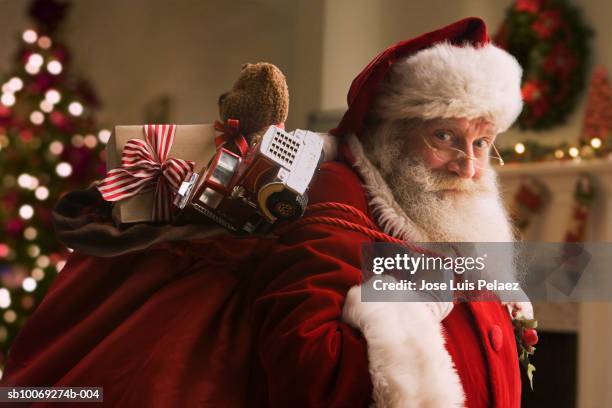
259 98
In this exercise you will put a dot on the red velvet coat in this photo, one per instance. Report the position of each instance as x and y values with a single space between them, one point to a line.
240 322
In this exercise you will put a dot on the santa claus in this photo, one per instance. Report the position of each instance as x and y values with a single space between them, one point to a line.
182 316
416 145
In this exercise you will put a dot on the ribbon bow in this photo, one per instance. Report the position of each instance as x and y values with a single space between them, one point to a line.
230 132
145 166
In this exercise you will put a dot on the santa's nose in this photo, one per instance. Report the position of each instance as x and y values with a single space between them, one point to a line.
463 167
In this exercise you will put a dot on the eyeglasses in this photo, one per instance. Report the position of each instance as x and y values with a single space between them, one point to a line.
442 144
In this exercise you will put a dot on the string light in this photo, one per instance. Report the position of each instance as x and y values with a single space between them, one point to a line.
16 84
54 67
77 140
596 142
63 169
573 151
46 106
33 251
27 181
4 250
53 96
10 316
32 69
56 147
559 154
43 261
5 298
30 233
29 284
37 117
75 108
29 36
35 60
90 141
26 211
44 42
519 148
8 99
41 193
38 274
104 135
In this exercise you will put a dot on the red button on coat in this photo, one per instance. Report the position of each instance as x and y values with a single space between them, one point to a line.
496 337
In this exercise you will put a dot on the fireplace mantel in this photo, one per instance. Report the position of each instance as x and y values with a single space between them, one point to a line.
591 321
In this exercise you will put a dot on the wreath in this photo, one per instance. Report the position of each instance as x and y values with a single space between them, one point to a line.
549 40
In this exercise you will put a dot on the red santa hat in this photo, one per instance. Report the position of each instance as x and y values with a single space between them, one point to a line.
451 72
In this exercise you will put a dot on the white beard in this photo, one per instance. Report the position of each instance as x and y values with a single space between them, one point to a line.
474 214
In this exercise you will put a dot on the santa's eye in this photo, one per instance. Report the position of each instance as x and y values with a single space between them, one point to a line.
482 144
443 136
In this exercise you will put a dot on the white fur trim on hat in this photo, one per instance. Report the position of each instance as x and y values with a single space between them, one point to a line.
446 81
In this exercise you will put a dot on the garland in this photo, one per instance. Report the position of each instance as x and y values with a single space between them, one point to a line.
549 40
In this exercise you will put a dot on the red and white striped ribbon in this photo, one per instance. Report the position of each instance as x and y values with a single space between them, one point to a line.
145 166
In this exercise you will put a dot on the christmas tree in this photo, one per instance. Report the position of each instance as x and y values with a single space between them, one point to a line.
49 145
598 114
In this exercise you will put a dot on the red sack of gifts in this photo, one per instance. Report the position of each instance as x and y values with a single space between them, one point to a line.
94 327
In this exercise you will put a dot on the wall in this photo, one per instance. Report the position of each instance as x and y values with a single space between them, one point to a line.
133 51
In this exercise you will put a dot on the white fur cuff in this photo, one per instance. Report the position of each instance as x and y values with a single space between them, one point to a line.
409 364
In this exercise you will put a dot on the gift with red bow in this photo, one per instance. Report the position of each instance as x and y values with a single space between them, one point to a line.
146 166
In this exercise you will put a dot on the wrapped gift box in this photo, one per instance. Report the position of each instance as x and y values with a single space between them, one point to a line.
191 142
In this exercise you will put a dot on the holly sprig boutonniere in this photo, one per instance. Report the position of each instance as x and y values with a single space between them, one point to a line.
526 338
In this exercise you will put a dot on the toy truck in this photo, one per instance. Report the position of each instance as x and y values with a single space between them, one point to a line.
251 193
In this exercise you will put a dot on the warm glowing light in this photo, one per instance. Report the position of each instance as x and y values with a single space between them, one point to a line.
75 108
77 140
36 60
42 193
60 265
29 284
56 147
63 169
54 67
90 141
4 250
29 36
573 151
26 211
27 181
46 106
38 274
43 261
30 233
37 117
104 135
8 99
15 84
32 69
10 316
44 42
596 142
53 96
33 251
519 148
5 298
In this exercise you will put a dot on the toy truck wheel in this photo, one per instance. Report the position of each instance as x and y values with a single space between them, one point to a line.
285 205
